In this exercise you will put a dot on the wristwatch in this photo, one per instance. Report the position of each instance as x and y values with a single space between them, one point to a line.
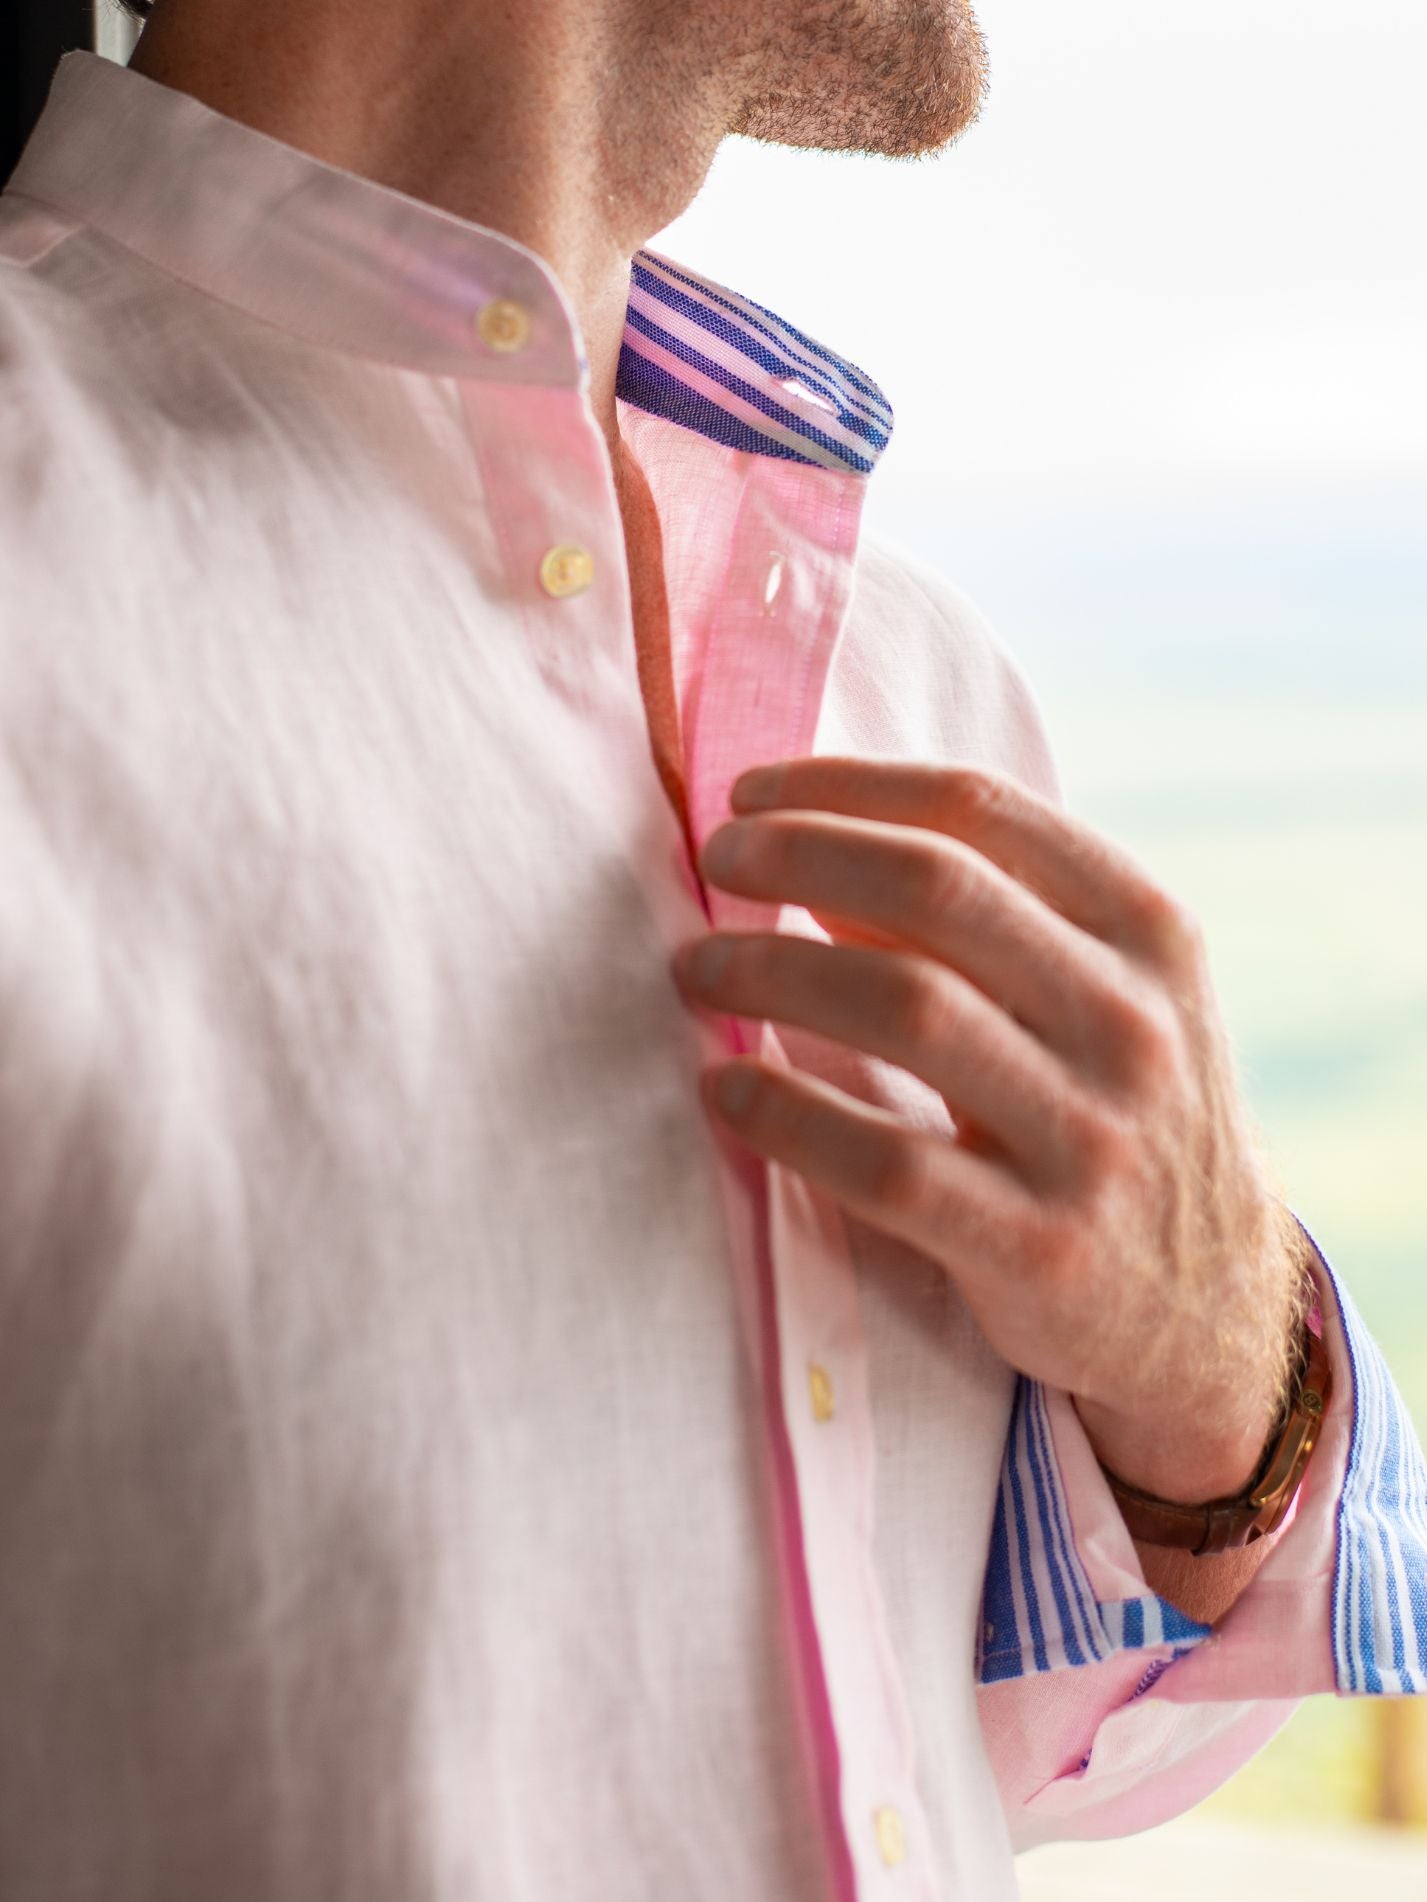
1219 1525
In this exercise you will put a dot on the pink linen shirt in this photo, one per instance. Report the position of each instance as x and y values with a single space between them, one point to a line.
435 1464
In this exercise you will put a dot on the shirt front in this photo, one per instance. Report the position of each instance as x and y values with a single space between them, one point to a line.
435 1462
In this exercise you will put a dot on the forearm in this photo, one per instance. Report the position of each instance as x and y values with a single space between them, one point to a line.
1202 1588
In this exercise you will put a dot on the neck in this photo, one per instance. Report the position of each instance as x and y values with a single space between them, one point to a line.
553 122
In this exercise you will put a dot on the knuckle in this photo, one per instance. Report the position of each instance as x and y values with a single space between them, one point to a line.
1099 1140
898 1174
1144 1035
920 1011
1171 926
1058 1254
975 791
937 876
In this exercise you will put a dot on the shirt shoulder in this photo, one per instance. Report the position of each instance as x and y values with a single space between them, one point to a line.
104 354
921 674
124 399
67 377
55 277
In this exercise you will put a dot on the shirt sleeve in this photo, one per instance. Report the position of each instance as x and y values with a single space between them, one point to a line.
1106 1710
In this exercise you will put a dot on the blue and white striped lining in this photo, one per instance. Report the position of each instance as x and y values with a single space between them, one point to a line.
1380 1573
717 363
1040 1613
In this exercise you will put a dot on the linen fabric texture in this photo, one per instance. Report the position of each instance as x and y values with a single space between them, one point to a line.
435 1463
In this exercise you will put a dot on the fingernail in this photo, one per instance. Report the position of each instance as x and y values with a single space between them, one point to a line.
722 852
758 786
734 1090
701 962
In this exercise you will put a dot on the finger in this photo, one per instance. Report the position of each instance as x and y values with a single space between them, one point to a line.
955 1207
941 897
1092 881
909 1011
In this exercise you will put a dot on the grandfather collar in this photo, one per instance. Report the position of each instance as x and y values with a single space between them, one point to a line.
340 261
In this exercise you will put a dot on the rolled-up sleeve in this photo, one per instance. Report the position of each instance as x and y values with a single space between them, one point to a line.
1104 1708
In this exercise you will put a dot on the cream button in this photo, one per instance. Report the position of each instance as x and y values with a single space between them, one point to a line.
566 569
820 1388
503 326
891 1835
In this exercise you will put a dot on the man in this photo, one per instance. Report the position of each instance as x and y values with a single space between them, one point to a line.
441 1456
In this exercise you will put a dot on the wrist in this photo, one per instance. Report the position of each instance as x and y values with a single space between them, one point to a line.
1189 1464
1210 1439
1189 1503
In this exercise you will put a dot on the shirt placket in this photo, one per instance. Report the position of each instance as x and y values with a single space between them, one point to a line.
774 633
550 497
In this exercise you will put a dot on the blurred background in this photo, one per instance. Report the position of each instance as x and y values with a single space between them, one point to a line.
1155 336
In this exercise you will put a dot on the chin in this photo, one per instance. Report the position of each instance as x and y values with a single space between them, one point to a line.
898 78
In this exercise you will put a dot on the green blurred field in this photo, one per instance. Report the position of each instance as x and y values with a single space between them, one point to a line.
1298 832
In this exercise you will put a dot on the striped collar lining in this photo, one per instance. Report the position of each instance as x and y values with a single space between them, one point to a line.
717 363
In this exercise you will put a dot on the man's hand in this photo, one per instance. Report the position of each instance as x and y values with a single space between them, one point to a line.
1103 1207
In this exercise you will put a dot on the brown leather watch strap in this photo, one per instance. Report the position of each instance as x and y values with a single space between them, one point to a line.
1217 1525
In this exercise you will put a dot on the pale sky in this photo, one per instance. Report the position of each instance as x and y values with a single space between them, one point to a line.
1182 251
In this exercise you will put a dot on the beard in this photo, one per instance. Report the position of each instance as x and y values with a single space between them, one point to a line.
898 78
